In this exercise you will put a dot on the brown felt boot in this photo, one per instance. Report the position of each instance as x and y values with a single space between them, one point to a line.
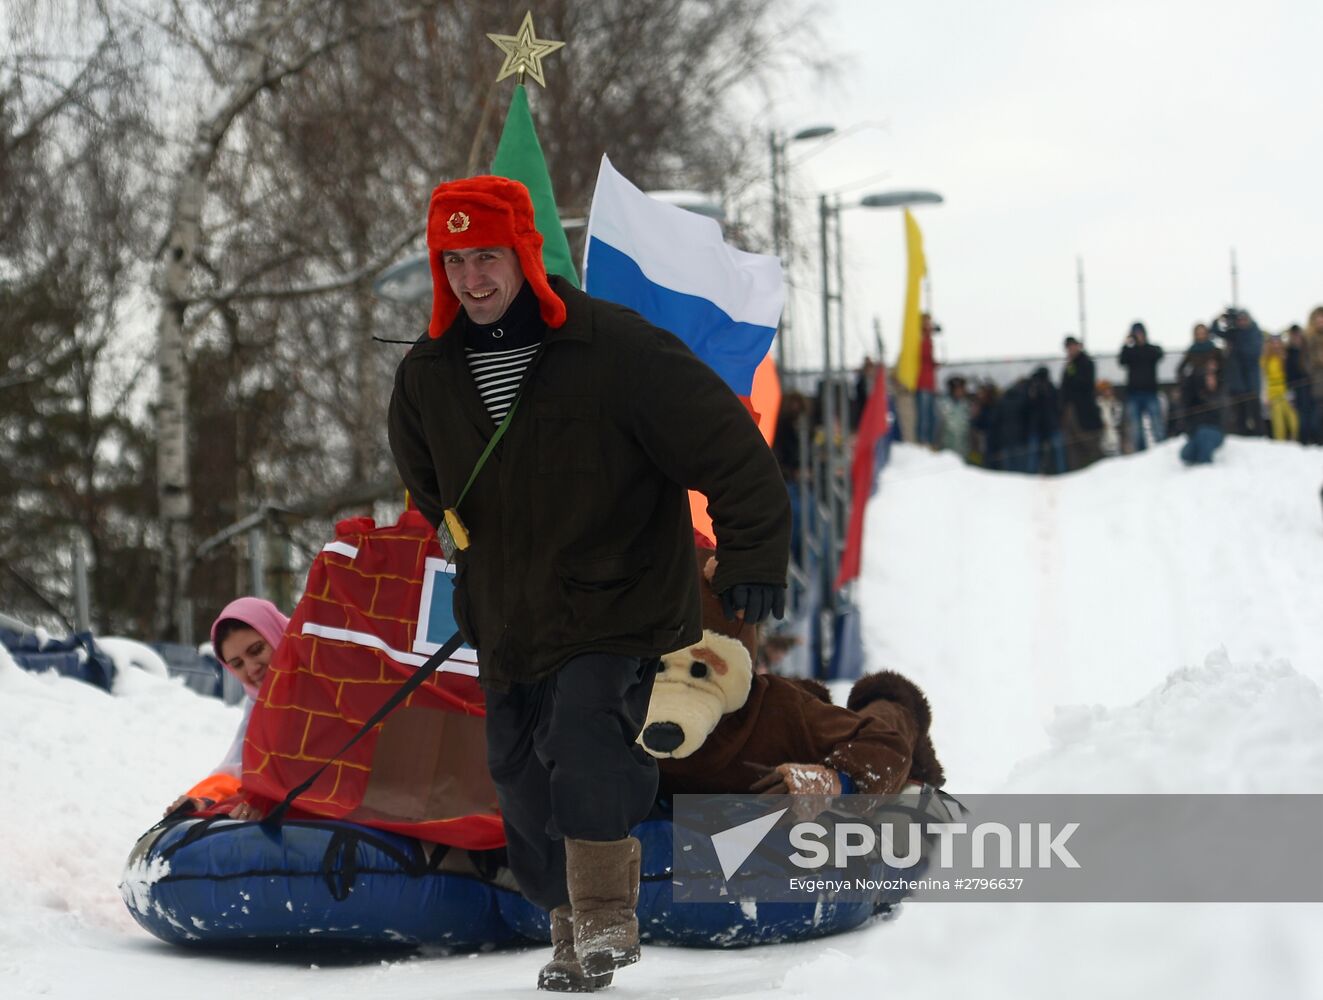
603 879
563 974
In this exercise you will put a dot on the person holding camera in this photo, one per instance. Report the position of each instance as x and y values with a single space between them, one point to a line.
1140 360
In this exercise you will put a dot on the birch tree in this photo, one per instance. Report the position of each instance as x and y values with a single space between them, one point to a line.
274 41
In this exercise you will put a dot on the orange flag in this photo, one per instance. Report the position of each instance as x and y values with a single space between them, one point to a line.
765 405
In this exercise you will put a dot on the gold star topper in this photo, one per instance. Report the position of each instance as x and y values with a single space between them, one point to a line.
524 52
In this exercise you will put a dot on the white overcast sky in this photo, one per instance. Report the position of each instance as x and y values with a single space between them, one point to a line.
1148 137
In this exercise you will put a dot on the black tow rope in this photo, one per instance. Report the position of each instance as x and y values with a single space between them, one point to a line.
271 825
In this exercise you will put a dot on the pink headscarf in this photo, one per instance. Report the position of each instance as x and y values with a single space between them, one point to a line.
261 615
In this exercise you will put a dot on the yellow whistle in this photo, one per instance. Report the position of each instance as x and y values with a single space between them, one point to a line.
458 533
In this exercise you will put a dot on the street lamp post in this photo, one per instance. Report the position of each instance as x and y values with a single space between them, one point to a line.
778 150
777 145
833 499
827 213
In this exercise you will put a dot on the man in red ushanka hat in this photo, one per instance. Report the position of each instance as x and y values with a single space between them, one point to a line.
572 542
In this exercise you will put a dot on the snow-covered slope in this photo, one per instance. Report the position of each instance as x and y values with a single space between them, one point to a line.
1137 627
1005 596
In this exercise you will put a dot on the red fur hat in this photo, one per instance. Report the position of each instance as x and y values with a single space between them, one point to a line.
485 212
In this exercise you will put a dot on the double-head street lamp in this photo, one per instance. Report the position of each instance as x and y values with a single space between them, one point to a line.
778 144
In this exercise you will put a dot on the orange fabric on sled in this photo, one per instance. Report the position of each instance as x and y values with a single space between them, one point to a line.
216 787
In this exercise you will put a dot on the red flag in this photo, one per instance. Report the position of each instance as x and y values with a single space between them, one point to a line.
873 426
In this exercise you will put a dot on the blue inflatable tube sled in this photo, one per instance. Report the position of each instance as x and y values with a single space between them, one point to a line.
221 882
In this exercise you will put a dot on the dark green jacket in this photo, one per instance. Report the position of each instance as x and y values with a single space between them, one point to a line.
580 526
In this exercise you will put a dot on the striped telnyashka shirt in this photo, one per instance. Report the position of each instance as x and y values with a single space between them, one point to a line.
497 375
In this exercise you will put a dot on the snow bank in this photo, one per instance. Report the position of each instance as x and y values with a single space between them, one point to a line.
1006 596
86 773
131 659
1222 727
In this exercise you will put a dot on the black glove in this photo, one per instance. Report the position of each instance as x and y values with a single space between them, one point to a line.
756 600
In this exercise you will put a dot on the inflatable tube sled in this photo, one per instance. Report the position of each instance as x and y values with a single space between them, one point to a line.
221 882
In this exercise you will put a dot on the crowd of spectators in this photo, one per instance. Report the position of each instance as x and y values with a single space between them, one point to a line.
1233 378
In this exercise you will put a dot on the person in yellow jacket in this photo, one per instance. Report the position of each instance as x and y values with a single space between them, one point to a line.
1285 420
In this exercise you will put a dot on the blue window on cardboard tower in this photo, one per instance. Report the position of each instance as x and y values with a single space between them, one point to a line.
436 616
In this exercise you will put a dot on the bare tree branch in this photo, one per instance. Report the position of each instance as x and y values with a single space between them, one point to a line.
182 29
70 94
388 254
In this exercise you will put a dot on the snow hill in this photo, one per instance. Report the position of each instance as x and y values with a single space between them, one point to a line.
1006 596
1134 627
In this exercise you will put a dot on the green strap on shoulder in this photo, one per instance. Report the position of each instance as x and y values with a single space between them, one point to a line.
487 452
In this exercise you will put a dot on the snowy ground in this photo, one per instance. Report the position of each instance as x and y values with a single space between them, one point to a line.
1006 596
1137 627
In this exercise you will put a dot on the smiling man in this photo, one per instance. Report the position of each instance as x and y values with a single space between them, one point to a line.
484 279
578 571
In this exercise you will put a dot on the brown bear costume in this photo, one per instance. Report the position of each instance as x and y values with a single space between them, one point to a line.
718 727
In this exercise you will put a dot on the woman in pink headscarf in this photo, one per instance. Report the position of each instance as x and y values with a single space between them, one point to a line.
244 638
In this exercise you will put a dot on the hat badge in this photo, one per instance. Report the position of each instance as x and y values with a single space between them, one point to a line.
458 222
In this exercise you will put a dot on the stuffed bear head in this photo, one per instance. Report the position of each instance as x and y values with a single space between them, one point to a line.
695 687
699 684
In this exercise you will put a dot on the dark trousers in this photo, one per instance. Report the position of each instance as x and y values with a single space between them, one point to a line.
1304 405
1204 439
1033 462
925 403
1083 447
1247 415
562 754
1138 404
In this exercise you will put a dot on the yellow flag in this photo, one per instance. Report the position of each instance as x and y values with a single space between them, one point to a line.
907 367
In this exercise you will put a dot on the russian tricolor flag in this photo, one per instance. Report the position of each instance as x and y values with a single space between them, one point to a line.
673 267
